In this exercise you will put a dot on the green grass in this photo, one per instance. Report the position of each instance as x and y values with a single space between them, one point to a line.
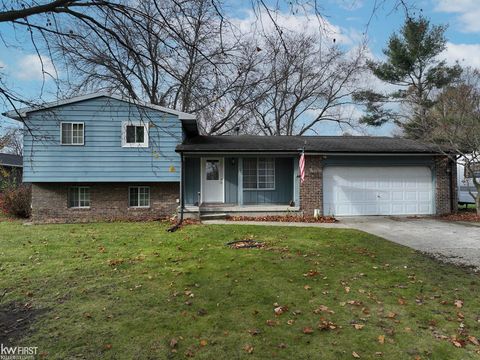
132 310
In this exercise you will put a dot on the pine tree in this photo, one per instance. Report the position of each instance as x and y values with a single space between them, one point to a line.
413 68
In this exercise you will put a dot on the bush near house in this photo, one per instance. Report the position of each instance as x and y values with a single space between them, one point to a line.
16 201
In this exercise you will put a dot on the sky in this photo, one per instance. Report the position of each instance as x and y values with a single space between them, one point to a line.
346 20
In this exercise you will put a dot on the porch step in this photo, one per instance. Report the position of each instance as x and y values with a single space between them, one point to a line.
215 216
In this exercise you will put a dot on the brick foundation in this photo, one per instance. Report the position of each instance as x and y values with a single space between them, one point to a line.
311 191
446 192
107 202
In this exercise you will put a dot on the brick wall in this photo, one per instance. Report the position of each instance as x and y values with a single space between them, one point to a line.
107 202
445 174
311 193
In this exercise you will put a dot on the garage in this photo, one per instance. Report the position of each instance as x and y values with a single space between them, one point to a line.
362 190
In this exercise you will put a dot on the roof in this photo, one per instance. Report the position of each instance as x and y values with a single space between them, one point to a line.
312 144
11 160
19 113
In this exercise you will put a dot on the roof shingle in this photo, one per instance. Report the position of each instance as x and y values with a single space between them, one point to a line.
312 144
10 160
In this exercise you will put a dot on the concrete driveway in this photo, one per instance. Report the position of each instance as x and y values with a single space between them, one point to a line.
458 243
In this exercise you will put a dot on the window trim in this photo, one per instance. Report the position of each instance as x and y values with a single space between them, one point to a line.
77 188
72 123
138 199
146 139
274 175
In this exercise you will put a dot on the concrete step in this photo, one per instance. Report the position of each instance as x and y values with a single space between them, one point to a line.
214 216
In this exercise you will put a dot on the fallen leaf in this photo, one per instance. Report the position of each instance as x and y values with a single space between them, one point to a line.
458 303
307 287
402 301
203 343
290 322
108 346
457 344
254 332
173 343
358 326
391 315
307 330
347 289
248 348
326 325
355 355
381 339
323 308
271 322
473 340
282 346
280 310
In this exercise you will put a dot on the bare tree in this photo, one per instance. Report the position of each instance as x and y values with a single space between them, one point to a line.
12 142
455 118
203 71
306 82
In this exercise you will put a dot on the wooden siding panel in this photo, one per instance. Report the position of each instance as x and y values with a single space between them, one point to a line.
102 158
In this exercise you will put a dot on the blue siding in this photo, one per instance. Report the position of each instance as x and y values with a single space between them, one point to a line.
283 193
102 158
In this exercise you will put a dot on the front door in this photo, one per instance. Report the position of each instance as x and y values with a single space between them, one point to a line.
213 180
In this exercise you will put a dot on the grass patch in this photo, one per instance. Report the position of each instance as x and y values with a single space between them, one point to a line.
132 290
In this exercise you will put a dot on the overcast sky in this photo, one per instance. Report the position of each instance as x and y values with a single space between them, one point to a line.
346 21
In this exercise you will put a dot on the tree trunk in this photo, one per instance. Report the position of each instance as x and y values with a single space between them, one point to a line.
477 203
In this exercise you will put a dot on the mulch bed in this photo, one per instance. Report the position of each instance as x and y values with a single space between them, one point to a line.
462 216
284 218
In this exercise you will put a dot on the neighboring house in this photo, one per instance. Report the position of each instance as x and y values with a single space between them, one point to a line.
105 157
10 170
465 183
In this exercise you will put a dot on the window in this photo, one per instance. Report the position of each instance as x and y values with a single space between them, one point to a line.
139 196
475 169
79 197
72 133
135 134
212 170
259 173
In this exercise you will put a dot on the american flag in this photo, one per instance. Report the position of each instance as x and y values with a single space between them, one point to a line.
301 167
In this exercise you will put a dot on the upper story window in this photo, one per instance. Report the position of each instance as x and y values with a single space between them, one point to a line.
134 134
259 174
72 133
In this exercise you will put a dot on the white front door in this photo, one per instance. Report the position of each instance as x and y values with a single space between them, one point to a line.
402 190
212 180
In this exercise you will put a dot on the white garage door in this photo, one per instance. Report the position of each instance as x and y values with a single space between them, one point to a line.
377 190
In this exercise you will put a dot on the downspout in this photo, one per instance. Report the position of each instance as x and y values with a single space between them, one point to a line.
182 201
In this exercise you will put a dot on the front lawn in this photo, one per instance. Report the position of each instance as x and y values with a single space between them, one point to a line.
134 291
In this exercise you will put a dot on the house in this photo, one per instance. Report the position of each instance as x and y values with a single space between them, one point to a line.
10 170
466 186
102 156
